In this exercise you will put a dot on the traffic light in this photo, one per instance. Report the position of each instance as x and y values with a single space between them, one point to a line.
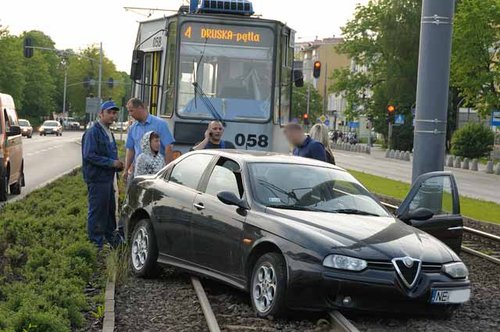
306 119
317 69
111 83
391 110
28 47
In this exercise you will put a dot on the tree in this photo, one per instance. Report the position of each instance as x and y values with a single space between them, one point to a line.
475 55
299 103
382 39
11 66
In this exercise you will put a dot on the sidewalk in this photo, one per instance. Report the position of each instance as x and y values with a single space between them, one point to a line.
471 184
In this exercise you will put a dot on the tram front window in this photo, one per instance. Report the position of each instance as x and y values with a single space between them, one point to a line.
233 68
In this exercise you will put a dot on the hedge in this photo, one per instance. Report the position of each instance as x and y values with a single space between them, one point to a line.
45 259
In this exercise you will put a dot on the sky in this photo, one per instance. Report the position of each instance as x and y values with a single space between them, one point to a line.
79 24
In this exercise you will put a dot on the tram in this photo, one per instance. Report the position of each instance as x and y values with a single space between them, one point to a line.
215 60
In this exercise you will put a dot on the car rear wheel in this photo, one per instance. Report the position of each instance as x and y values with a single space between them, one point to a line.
143 250
268 285
4 187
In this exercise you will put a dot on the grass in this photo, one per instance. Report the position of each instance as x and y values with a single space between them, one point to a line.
473 208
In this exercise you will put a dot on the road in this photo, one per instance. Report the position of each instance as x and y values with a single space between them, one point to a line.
48 157
471 184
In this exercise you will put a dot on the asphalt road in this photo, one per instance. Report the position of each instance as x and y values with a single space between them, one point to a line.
471 184
47 157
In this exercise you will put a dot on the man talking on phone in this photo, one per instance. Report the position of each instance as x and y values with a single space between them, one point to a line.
213 138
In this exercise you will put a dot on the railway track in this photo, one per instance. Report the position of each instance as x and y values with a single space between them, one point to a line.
476 242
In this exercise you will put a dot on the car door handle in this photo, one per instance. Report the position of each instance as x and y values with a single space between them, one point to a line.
199 206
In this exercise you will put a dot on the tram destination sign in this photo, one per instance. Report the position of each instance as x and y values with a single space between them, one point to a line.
227 34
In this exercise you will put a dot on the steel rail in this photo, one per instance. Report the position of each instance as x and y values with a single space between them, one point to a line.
213 326
340 323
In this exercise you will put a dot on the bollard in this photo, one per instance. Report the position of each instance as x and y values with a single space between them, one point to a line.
368 150
387 153
474 165
358 148
497 172
391 154
402 155
466 163
396 154
489 167
458 162
407 156
449 162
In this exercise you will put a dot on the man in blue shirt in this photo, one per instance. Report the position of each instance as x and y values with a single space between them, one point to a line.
304 145
144 123
100 166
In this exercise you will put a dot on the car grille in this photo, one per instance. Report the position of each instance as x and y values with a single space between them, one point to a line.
387 266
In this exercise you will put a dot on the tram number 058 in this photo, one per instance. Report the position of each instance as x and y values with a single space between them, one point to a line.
252 140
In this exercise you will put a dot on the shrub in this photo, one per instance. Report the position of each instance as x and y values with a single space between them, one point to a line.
472 141
46 259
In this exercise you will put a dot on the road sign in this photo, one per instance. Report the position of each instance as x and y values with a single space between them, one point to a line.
399 120
323 118
353 124
327 122
92 105
495 118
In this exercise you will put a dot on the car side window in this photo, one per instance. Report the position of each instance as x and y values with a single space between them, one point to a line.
435 194
189 171
225 177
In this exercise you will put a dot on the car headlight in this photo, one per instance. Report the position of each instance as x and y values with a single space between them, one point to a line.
456 270
344 263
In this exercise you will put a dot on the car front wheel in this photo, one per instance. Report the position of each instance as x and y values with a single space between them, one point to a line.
268 285
143 250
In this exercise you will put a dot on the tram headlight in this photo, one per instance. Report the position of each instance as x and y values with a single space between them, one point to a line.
456 270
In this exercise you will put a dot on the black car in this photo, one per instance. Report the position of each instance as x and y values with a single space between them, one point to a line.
299 234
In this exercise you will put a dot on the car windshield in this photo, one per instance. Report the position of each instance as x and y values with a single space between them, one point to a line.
24 123
311 188
51 124
226 72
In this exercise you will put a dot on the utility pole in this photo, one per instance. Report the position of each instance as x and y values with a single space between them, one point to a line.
65 87
99 90
325 90
308 98
432 87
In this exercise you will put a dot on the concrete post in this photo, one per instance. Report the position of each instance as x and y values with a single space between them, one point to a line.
474 165
449 162
391 154
432 87
407 156
387 153
489 167
458 162
497 171
466 163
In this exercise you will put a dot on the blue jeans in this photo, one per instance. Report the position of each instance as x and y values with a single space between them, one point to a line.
101 214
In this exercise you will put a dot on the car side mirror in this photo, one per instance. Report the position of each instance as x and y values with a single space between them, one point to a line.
230 198
420 214
298 78
14 131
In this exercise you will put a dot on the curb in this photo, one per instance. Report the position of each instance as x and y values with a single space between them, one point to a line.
108 324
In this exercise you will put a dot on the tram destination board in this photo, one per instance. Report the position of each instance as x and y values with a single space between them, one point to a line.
227 34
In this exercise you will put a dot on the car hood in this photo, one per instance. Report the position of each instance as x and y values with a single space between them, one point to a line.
367 237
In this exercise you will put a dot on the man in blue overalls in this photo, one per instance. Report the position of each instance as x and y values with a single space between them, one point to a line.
100 166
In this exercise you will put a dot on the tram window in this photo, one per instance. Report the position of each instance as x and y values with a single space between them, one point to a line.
236 76
148 68
168 87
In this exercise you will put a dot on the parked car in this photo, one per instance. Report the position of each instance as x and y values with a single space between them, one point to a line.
299 234
11 149
26 128
51 127
118 126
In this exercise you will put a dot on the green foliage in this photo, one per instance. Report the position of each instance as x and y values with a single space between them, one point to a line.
99 313
45 259
299 103
382 39
472 141
37 83
476 47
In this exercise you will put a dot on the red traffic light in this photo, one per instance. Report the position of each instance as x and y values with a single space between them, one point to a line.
317 69
306 116
391 108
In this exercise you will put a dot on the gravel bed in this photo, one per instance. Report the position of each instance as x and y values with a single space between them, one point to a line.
234 312
481 313
165 303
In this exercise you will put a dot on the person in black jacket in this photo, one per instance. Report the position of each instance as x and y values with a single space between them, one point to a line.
100 167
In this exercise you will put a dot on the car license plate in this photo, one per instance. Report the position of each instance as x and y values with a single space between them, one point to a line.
450 295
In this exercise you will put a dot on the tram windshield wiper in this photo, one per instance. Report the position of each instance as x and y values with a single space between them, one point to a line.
207 102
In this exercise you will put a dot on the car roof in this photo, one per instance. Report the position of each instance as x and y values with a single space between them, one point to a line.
246 156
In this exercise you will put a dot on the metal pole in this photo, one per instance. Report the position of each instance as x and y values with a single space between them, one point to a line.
65 88
432 87
308 98
325 100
